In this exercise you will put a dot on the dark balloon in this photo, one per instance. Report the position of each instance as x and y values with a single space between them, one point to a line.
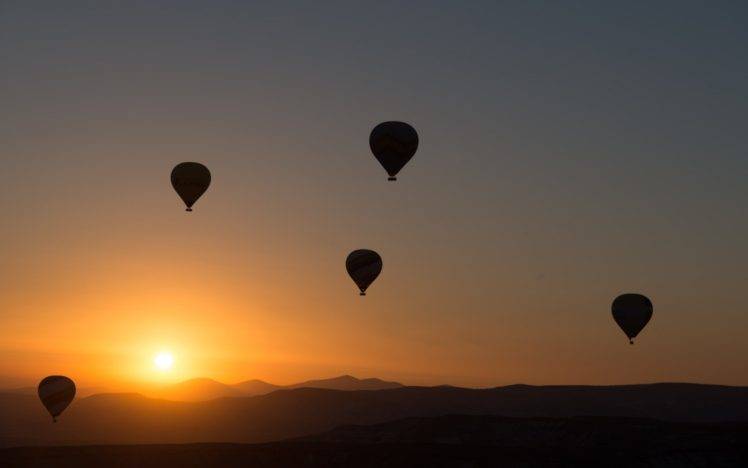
393 144
56 392
632 313
363 266
190 180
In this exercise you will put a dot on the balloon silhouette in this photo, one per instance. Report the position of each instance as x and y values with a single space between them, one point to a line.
363 267
190 180
56 392
393 144
632 313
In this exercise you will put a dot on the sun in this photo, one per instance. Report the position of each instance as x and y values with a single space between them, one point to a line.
164 361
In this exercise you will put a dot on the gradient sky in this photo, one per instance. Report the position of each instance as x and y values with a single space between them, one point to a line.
570 152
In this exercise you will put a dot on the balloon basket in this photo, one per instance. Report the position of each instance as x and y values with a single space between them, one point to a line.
188 209
362 294
392 178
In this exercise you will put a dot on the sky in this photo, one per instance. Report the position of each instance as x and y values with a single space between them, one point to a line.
569 152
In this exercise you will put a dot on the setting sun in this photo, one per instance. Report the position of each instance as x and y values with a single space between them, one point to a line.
164 361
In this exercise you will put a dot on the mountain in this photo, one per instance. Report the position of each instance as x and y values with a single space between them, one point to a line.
135 419
442 441
347 382
203 389
196 390
207 389
255 387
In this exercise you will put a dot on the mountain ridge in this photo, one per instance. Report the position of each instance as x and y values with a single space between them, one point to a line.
132 418
205 388
202 389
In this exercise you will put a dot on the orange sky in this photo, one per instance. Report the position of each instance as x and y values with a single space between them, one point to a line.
555 171
97 297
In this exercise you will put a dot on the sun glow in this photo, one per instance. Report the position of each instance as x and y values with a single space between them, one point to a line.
164 361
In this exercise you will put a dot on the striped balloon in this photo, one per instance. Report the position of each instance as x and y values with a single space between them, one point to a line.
363 266
56 392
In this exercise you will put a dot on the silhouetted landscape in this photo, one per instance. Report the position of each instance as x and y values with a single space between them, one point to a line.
452 440
287 413
651 425
208 389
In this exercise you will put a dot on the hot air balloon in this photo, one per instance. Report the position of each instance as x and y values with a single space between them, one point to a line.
190 180
363 266
56 392
632 313
393 144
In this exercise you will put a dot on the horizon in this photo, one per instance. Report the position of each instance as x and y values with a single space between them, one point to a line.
567 154
146 388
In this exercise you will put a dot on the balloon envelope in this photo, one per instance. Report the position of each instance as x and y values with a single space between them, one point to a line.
190 180
632 313
363 267
56 392
393 144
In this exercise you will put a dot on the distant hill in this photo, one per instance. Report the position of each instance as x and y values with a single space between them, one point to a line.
134 419
443 441
255 387
347 382
208 389
203 389
196 390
